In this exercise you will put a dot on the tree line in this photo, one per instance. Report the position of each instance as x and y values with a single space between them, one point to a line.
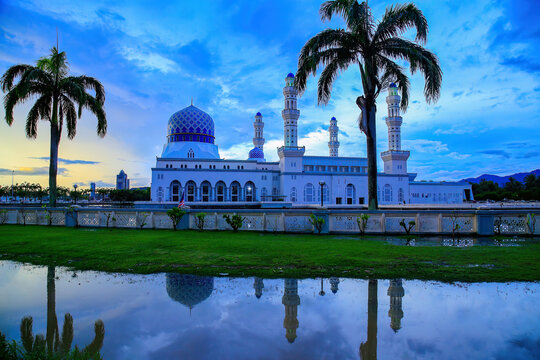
28 192
529 189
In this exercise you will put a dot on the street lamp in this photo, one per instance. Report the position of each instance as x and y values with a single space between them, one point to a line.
322 183
75 186
322 290
12 174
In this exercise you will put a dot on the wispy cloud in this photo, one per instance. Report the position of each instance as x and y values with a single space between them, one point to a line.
151 61
32 171
69 161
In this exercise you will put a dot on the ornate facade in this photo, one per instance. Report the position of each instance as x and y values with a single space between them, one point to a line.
190 164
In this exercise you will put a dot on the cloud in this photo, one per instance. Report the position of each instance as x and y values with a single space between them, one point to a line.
501 153
458 156
68 161
522 63
32 171
424 145
149 60
528 155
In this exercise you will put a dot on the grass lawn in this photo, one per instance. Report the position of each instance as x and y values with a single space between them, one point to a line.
262 254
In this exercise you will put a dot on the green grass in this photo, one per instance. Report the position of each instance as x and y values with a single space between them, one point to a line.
262 254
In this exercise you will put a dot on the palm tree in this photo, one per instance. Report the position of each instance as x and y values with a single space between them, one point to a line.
59 97
373 47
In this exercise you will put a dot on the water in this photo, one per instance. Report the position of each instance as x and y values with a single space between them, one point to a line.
187 317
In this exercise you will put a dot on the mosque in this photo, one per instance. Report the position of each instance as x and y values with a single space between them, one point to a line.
190 164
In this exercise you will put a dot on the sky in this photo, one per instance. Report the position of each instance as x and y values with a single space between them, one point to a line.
153 57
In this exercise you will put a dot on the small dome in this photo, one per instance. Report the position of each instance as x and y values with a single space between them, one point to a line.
256 153
191 124
189 290
259 114
333 118
291 75
392 85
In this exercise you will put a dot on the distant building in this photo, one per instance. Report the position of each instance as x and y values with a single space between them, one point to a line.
92 191
122 181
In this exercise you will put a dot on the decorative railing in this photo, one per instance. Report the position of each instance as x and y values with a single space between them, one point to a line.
504 222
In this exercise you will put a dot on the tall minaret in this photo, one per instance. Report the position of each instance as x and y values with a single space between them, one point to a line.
395 160
258 126
333 143
258 285
290 113
291 300
396 292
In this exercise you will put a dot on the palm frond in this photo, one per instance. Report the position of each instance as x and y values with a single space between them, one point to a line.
11 74
56 63
357 16
70 114
395 73
340 62
93 84
20 94
400 18
40 111
420 59
96 108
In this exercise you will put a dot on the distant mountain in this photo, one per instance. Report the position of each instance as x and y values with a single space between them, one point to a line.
501 180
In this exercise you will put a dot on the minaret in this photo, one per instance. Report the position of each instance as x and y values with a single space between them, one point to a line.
291 300
290 113
333 143
258 126
258 285
396 292
395 160
334 283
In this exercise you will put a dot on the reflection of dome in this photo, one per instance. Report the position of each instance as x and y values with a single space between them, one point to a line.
256 153
191 124
259 114
392 85
290 75
189 290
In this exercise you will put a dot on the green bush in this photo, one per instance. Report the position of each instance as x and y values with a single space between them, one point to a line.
200 220
236 221
176 215
317 222
407 227
362 223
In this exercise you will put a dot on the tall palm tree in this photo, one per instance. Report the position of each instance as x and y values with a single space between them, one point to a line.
59 97
373 47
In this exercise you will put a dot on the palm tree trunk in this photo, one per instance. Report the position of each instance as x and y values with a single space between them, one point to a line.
53 159
371 142
52 322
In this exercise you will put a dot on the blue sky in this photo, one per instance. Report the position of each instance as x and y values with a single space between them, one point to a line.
232 57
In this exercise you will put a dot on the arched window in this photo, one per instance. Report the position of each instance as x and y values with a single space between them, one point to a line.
387 193
235 191
175 191
325 193
249 190
191 189
206 191
191 153
350 192
308 193
264 194
401 196
220 191
293 194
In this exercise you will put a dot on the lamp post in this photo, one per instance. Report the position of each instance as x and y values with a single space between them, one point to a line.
75 187
12 174
322 183
322 290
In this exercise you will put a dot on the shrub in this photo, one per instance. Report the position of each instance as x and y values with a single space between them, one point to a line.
47 214
362 223
407 227
200 220
143 222
3 216
236 221
109 215
176 215
317 222
531 222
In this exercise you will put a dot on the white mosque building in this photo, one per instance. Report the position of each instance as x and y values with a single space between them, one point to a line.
190 164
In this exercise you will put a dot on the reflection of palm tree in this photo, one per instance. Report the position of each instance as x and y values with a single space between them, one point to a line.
55 343
368 349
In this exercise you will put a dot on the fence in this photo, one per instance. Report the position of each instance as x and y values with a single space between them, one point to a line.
507 222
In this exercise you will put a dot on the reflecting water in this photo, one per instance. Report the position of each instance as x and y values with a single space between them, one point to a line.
192 317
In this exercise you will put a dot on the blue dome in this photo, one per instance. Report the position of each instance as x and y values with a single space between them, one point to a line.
189 290
333 118
259 114
392 85
256 153
191 124
290 75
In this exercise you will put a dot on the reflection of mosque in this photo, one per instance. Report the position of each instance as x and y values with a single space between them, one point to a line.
189 290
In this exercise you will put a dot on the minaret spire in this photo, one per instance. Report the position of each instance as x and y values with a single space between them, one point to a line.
395 159
258 126
333 143
290 113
